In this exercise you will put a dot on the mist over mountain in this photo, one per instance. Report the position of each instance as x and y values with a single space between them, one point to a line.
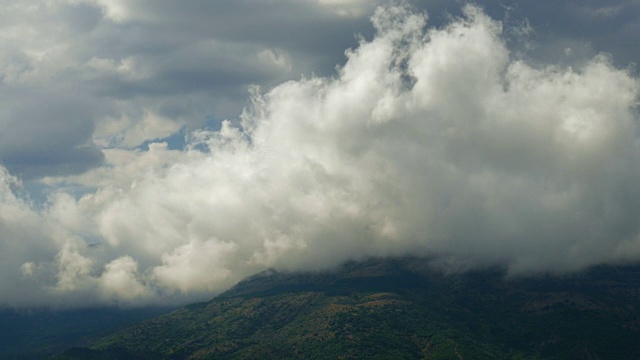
437 141
398 308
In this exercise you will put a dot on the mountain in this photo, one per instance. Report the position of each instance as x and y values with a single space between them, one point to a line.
42 333
396 309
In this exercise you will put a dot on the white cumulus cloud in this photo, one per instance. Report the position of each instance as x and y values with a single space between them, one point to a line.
427 142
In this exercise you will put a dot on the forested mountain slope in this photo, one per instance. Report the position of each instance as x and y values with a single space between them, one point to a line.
398 309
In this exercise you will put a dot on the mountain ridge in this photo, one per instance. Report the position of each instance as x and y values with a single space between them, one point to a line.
396 308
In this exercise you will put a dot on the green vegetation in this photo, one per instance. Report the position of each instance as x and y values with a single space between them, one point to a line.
396 309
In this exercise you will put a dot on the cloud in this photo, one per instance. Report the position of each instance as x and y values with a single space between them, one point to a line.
71 67
433 142
47 134
119 281
129 133
183 268
349 7
594 27
24 236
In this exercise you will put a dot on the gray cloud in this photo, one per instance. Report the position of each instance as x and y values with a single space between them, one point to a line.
439 142
45 134
193 62
591 27
124 59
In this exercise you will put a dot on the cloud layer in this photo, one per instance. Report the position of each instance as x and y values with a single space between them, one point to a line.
67 67
433 142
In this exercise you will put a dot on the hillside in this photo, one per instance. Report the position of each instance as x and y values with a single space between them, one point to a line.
396 309
42 333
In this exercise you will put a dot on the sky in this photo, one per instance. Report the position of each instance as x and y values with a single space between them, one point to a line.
159 151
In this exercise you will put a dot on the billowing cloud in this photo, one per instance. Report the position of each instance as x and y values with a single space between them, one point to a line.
76 71
435 142
70 68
